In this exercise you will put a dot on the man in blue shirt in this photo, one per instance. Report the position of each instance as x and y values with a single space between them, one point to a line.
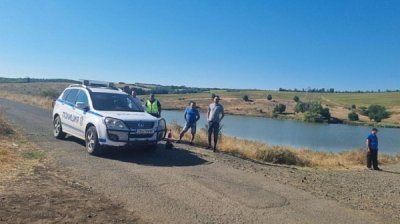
191 116
372 154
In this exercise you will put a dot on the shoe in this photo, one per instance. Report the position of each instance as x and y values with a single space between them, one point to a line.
369 168
208 147
179 141
191 143
378 169
214 149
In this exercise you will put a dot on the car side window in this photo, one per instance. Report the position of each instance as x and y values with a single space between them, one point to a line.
72 96
65 94
82 97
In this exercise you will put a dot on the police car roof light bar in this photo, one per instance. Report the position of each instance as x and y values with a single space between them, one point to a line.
94 83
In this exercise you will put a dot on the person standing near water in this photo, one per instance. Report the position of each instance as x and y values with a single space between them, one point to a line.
372 154
191 116
215 115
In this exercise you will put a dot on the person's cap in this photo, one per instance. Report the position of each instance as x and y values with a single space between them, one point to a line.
375 129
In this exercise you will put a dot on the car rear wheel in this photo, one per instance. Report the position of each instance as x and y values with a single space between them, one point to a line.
57 128
92 142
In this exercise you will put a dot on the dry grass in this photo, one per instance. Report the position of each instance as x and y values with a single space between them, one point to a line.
38 101
285 154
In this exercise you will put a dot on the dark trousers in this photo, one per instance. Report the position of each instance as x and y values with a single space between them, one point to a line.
213 127
372 159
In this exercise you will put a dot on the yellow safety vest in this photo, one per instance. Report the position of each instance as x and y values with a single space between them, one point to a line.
152 108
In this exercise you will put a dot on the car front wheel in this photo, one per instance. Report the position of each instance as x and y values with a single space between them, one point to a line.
92 142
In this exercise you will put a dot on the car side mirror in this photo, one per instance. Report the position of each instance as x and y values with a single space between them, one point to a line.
82 106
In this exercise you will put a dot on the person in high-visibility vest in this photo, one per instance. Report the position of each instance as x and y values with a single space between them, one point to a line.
153 106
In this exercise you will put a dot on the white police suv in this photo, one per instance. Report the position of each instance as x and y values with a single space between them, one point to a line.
104 115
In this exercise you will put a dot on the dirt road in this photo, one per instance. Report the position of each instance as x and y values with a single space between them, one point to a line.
181 186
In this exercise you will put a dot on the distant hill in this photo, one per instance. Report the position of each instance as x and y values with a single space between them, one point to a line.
31 80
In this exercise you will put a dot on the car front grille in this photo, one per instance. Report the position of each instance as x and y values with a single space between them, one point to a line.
140 124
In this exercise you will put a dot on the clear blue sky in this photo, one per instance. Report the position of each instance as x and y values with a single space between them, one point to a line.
346 45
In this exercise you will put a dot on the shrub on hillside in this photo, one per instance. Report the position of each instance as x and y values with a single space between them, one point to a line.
269 97
325 113
353 116
280 108
296 99
246 98
377 113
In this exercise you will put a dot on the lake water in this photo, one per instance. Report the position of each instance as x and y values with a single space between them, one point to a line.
327 137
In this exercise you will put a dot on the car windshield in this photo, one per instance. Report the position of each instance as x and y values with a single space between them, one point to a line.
115 102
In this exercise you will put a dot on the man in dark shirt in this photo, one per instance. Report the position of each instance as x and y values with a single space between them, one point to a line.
372 154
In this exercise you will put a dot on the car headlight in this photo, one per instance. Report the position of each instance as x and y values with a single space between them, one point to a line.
115 124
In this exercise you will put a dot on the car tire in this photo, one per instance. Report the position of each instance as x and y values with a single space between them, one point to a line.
92 141
57 128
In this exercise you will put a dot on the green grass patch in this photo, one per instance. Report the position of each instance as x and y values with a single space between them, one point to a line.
33 155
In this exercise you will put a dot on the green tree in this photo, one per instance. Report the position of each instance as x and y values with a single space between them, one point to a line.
353 106
280 108
296 99
377 113
353 116
246 98
313 111
269 97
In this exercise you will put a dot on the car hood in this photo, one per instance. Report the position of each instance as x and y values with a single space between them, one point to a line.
128 116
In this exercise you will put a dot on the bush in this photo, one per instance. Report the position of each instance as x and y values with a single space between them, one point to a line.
269 97
353 106
296 99
213 95
353 116
377 113
246 98
325 113
280 108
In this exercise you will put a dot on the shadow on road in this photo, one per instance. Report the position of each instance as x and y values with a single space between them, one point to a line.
159 157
